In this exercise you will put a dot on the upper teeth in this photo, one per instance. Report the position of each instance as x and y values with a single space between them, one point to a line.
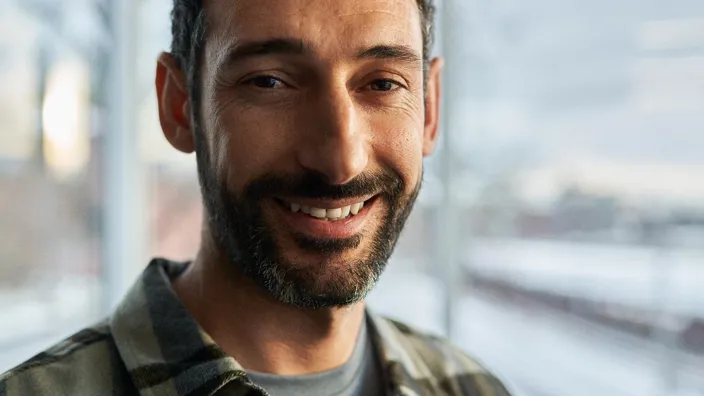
329 214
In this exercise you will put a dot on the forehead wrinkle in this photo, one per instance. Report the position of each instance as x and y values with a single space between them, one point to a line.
414 18
225 31
386 5
392 8
370 12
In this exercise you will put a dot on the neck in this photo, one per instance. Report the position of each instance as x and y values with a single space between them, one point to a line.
261 333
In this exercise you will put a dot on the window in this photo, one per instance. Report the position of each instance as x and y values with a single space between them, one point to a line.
50 205
577 168
559 235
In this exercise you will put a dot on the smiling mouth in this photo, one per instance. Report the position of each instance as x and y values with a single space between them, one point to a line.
330 214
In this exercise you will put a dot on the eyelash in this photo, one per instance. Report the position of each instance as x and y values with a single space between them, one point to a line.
396 85
252 81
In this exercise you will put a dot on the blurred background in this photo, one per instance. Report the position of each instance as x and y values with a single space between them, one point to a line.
559 236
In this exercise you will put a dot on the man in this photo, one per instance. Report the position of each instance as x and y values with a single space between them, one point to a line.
310 120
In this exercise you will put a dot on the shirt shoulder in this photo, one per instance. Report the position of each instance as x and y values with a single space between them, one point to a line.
86 363
449 369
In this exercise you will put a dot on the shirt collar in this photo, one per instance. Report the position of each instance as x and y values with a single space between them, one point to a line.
167 353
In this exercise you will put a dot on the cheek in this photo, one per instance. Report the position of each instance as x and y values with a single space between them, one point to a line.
244 144
398 144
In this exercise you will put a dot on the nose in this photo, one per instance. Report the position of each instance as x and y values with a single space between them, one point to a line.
335 144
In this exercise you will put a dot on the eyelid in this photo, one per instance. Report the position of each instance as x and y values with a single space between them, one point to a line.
250 78
277 75
388 75
398 84
395 81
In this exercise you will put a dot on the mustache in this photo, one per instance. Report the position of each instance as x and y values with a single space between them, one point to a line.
316 186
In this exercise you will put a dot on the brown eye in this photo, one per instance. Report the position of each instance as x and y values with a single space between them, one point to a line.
264 82
383 85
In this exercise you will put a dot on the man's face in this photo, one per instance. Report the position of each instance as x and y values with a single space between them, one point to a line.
310 132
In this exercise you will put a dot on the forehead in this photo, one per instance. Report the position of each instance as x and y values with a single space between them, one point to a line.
329 26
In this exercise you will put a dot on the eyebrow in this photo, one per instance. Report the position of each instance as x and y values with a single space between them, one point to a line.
290 46
241 52
391 52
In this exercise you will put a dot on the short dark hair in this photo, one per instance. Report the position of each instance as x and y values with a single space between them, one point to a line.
188 26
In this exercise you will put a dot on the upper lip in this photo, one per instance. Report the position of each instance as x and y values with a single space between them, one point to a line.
326 203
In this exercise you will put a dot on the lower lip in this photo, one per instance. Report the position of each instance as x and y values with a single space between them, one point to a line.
340 229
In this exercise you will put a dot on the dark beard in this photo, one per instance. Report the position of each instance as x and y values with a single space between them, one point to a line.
240 230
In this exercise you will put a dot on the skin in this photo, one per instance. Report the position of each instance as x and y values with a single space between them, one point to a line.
323 113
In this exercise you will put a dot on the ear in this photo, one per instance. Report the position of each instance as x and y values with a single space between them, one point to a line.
432 106
174 107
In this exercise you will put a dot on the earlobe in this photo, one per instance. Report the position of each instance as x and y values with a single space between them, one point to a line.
174 107
432 106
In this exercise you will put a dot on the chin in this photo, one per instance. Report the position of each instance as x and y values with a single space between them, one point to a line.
315 280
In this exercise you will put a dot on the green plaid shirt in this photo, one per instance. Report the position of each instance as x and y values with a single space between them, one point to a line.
152 346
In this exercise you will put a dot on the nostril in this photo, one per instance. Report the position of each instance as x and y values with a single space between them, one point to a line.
338 159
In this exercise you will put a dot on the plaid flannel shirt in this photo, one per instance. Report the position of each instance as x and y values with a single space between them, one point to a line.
152 346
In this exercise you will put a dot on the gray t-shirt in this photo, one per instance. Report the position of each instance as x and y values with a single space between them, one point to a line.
359 376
